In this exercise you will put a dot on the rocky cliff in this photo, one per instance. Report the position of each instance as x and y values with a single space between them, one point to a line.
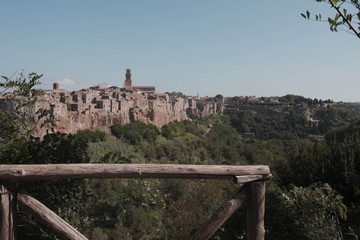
88 109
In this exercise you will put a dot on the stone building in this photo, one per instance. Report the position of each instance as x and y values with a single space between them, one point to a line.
128 84
100 106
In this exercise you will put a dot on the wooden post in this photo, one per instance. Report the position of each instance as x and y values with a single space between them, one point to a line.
255 211
7 211
221 215
38 210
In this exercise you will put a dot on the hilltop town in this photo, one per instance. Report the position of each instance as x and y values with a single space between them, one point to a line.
100 106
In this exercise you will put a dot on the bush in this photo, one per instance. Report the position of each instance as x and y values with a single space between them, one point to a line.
135 132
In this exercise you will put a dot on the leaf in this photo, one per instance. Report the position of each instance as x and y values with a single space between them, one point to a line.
308 14
303 15
337 17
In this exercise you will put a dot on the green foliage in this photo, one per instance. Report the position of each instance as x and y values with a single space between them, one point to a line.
130 209
113 152
355 107
337 163
176 129
15 124
223 140
65 197
339 134
347 15
292 99
184 216
296 99
176 94
22 85
313 212
90 136
335 117
218 98
135 132
264 127
238 100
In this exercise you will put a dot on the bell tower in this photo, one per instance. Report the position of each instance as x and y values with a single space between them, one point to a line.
128 81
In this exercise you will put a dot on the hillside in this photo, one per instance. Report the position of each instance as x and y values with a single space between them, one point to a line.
315 193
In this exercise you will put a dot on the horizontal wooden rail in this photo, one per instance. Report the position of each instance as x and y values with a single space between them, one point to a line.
175 171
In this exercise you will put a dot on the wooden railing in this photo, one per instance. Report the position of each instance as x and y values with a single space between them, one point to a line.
252 191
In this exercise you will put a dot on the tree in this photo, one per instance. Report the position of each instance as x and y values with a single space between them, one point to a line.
347 15
19 102
91 136
135 132
312 212
15 109
218 98
237 100
18 145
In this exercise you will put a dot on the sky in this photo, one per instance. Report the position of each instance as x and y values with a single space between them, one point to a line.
205 47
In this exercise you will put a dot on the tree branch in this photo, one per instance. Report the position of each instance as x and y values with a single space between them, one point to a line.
345 19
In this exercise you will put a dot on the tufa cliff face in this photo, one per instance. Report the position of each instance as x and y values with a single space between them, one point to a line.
99 108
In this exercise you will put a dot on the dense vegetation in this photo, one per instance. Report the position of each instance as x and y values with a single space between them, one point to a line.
315 193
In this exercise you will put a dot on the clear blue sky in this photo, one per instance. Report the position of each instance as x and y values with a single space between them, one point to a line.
231 47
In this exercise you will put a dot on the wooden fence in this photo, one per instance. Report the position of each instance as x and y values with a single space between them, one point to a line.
252 191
